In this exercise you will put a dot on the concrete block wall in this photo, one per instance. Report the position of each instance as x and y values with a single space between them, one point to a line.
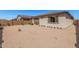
62 22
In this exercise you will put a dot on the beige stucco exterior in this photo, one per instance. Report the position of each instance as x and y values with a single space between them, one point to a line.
34 36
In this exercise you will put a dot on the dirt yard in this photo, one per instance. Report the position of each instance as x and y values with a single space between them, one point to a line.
33 36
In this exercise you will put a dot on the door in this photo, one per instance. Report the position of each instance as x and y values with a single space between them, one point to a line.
36 21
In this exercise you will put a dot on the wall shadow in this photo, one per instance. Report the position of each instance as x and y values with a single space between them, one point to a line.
1 32
77 36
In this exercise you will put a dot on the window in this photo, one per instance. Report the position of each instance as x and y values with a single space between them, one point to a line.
52 20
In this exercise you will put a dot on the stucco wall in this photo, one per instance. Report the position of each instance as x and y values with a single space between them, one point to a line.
32 36
62 22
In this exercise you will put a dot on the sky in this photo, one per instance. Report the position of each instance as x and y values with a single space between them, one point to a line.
11 14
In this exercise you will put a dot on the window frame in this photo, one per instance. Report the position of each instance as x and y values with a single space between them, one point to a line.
55 21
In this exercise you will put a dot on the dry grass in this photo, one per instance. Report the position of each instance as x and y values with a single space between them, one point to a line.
11 23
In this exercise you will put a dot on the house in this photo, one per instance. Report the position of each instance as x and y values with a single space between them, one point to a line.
58 19
23 17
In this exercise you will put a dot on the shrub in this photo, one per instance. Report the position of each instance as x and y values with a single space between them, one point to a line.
8 24
19 30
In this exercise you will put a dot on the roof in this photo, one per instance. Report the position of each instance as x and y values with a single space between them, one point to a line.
47 14
24 16
55 13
